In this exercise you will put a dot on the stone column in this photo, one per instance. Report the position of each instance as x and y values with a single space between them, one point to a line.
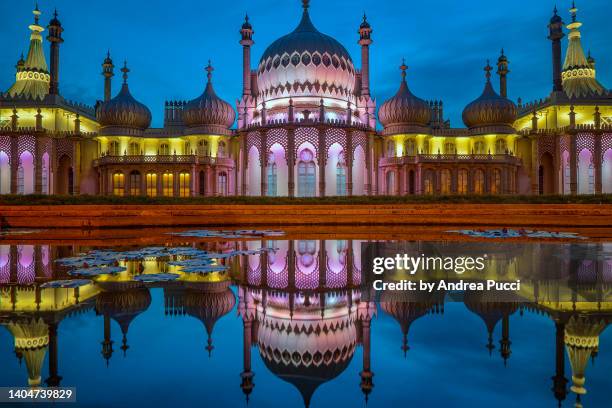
597 163
535 167
368 164
14 155
573 164
263 159
290 157
37 166
321 160
348 159
245 164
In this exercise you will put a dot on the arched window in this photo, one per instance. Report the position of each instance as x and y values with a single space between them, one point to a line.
428 182
184 184
222 184
390 148
478 181
221 149
462 181
479 147
272 176
164 149
151 184
25 173
445 181
134 149
306 174
341 176
134 183
168 184
187 147
113 148
202 148
449 148
409 148
501 147
118 184
496 182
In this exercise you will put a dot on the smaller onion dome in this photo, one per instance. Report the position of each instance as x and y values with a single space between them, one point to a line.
123 114
246 25
404 110
55 21
209 113
364 23
20 63
490 112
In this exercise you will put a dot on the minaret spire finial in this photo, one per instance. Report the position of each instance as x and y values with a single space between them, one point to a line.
125 71
403 67
306 5
488 71
36 13
209 70
573 11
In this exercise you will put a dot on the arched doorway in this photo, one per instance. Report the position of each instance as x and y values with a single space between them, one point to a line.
546 174
135 183
390 182
5 174
64 176
25 174
586 173
411 182
202 183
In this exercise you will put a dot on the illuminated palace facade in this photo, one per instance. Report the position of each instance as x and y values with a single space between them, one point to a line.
307 124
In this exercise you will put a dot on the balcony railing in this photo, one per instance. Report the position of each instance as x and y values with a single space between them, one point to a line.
451 158
164 159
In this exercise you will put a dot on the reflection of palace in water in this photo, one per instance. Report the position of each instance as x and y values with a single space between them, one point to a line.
303 307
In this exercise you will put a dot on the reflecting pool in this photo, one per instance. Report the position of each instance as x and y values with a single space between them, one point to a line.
265 319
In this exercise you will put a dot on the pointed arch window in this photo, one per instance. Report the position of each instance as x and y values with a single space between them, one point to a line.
184 184
390 148
479 182
306 174
479 147
134 149
341 176
168 184
221 149
272 175
151 179
501 147
449 148
118 184
409 148
134 183
202 148
222 188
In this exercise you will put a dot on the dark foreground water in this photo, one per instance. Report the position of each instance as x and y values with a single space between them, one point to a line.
287 327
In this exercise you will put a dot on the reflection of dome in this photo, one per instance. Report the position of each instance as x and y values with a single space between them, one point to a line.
581 340
123 113
123 306
490 110
404 109
208 112
306 62
31 341
209 306
307 353
407 307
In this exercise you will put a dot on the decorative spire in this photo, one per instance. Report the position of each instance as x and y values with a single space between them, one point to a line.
209 71
125 71
403 67
573 11
305 5
488 70
37 14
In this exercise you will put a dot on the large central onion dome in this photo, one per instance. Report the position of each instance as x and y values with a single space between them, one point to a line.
404 110
123 114
490 112
208 112
306 62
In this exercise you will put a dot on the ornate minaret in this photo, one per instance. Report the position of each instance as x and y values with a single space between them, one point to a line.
502 71
365 33
55 38
107 72
555 35
247 41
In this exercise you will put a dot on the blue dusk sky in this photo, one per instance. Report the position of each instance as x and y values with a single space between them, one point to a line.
167 44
